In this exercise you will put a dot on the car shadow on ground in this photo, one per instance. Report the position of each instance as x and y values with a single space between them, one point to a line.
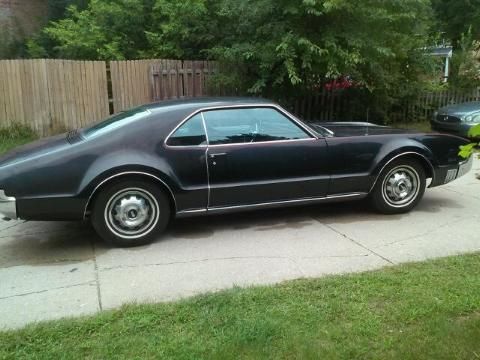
298 217
40 243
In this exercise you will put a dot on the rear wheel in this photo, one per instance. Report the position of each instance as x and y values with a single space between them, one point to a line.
130 213
400 187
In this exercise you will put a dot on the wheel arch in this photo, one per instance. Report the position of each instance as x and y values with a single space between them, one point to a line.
130 174
410 154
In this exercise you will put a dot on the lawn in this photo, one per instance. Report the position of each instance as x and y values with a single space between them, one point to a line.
15 136
427 310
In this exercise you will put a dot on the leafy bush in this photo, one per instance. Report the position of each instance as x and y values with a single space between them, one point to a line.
467 150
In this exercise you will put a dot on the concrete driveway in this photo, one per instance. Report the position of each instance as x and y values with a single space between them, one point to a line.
52 270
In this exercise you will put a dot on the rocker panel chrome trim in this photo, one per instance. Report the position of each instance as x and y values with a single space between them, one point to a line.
301 201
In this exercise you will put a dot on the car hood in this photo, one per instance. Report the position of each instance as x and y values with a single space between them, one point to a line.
35 149
343 129
460 109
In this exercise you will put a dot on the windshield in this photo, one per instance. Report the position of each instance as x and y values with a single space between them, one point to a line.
116 121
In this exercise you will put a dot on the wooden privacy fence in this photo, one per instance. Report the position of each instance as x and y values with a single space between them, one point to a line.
56 95
181 79
138 82
52 95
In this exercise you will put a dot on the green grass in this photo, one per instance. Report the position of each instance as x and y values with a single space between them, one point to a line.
425 310
14 136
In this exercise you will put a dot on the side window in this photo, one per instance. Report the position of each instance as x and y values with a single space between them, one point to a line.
234 126
272 125
191 133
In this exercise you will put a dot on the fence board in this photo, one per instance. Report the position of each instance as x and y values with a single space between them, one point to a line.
174 79
335 105
52 95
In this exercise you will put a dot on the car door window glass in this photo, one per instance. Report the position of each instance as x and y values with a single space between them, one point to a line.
233 126
191 133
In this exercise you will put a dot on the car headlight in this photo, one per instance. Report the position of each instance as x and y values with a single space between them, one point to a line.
473 118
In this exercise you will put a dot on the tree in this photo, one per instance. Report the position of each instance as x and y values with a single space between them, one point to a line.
105 30
465 70
456 17
280 48
276 48
57 9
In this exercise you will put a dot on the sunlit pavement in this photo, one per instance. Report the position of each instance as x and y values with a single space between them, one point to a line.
53 270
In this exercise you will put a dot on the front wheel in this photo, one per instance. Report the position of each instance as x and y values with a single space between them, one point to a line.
130 213
399 187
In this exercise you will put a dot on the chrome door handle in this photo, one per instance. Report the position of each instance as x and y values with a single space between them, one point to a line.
213 156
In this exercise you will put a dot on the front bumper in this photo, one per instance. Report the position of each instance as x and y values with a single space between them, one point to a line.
459 129
462 168
8 207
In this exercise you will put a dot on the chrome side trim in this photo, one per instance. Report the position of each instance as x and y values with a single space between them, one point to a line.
396 157
259 105
8 207
128 173
187 213
261 142
300 201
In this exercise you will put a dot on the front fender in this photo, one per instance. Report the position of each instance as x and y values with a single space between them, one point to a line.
401 147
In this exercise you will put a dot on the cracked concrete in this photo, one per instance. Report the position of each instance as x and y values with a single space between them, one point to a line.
55 270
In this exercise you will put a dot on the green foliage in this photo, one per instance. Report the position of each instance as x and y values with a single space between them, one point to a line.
57 9
106 30
465 69
467 150
456 17
270 47
181 29
283 49
275 48
474 132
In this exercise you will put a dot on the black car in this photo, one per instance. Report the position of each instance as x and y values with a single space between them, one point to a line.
133 172
457 118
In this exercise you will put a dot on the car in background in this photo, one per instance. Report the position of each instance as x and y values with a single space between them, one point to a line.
457 118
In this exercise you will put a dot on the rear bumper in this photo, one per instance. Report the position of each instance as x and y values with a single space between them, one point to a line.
446 174
8 207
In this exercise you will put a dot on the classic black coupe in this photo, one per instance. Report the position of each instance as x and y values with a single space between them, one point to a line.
130 174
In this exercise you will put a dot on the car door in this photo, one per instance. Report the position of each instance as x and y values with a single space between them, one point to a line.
260 155
187 147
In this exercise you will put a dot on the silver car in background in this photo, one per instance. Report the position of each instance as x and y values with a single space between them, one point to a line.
457 118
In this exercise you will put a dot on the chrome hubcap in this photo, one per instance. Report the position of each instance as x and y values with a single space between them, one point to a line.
131 213
401 186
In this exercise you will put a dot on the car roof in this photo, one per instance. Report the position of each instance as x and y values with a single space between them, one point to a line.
465 107
203 102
